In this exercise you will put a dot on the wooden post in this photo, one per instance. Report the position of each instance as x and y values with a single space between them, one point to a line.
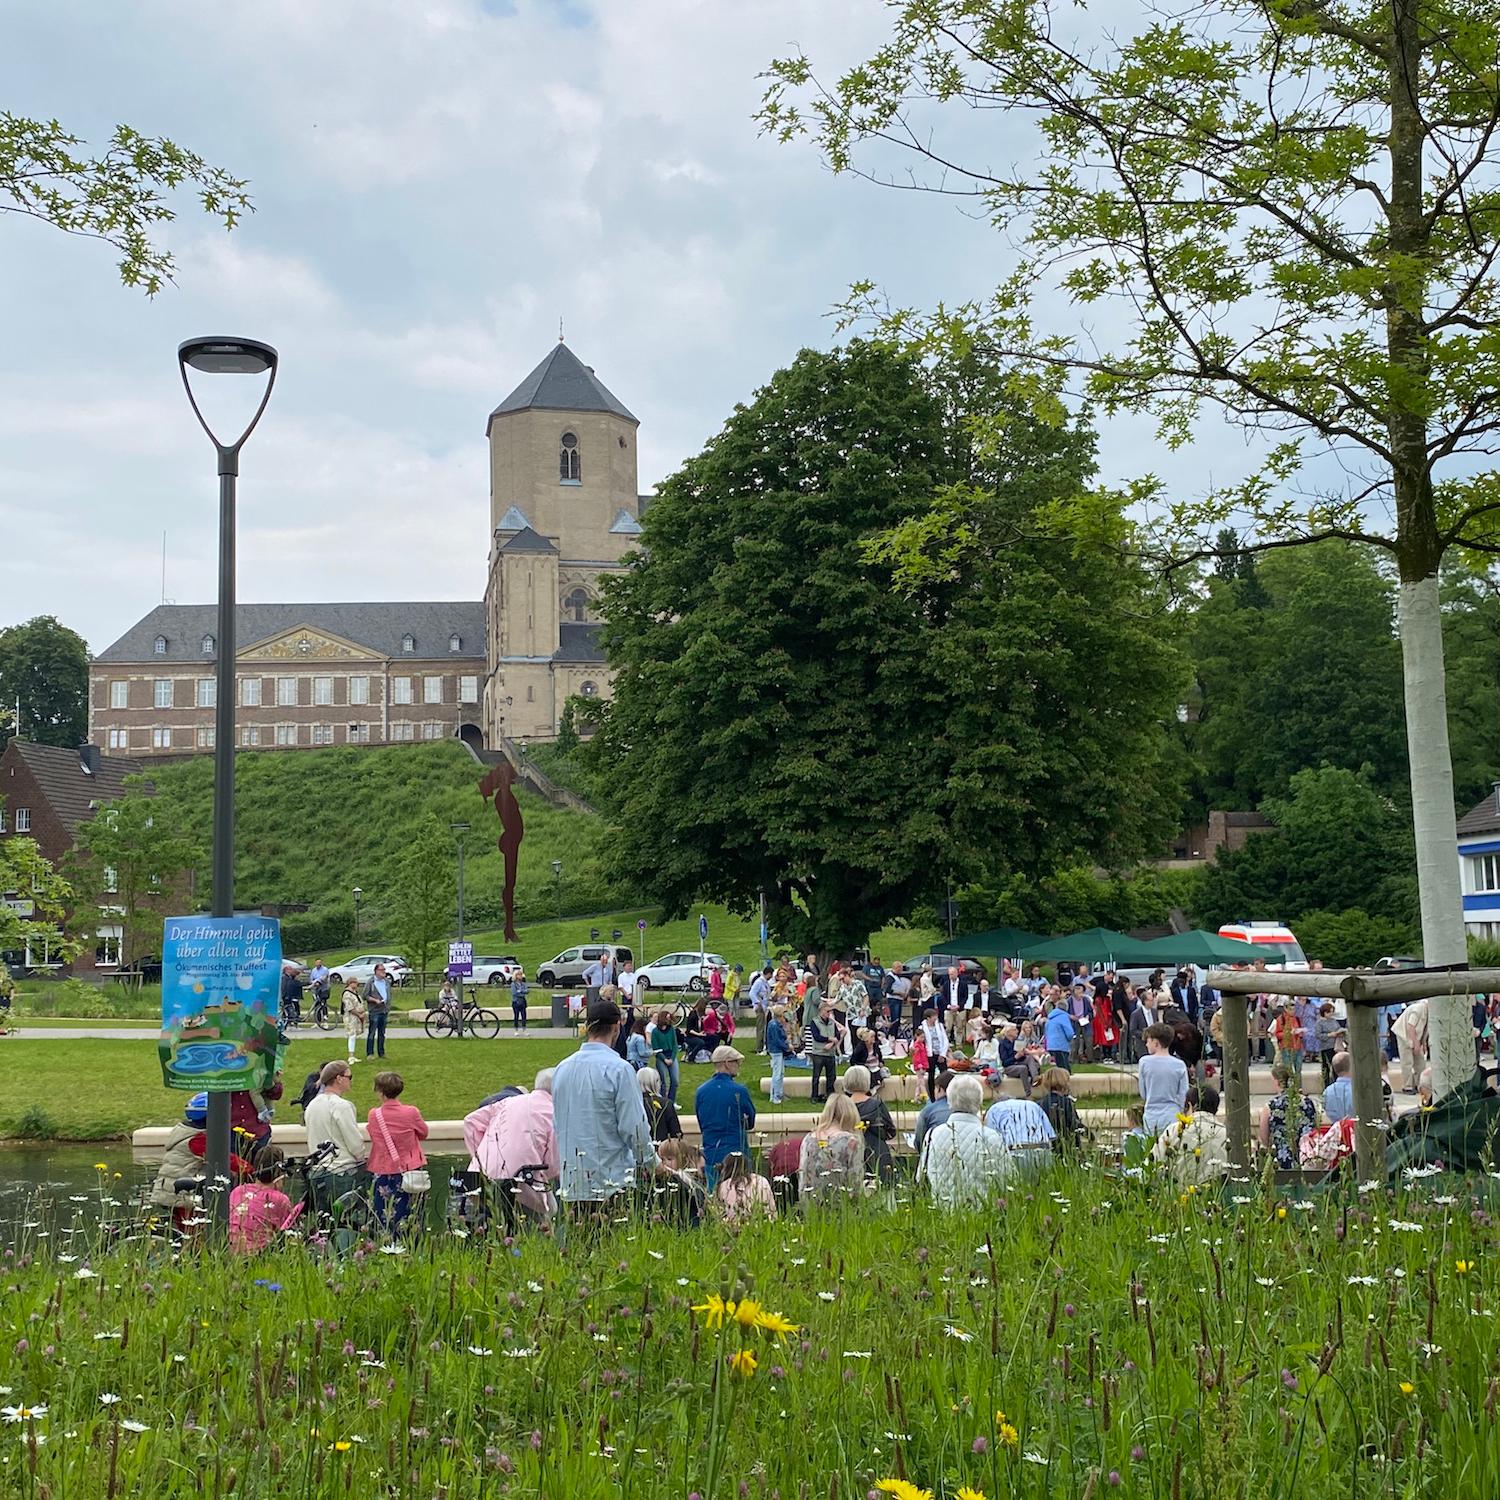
1237 1083
1369 1098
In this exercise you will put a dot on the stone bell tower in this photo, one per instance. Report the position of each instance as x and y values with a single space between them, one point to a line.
564 510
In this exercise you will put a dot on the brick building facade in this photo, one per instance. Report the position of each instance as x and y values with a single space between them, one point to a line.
563 512
46 794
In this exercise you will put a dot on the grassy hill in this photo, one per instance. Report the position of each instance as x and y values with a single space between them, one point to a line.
312 826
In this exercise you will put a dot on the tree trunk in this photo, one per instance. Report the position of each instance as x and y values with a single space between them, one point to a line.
1419 551
1450 1033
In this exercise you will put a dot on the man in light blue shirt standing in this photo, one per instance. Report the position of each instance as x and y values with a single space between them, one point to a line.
1338 1097
1058 1034
603 1135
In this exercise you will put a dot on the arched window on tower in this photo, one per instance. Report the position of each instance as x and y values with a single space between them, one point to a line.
577 604
568 467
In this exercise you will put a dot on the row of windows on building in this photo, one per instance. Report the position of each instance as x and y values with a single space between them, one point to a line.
408 644
202 737
287 691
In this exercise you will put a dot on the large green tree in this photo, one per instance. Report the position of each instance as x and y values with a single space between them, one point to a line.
423 898
137 858
123 195
1283 208
792 718
44 667
1339 844
1297 666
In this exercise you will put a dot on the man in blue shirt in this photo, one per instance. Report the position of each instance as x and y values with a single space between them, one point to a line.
603 1136
760 1003
1058 1034
725 1113
1338 1097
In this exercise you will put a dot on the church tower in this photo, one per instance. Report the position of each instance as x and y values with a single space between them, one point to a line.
564 509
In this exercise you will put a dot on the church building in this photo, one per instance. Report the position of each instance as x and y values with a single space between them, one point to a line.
564 511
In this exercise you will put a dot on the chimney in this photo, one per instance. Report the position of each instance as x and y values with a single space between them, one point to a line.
88 759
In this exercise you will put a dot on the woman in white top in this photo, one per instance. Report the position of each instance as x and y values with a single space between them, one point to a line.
935 1039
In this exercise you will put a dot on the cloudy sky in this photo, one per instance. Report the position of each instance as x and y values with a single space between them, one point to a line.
436 183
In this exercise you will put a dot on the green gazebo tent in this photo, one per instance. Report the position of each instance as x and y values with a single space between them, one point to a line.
1205 949
1094 945
994 942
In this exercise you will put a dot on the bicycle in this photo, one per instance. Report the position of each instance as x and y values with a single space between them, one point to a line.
443 1020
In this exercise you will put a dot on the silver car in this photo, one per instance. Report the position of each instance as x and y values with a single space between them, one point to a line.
569 965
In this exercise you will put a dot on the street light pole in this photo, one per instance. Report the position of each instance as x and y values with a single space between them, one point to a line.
557 884
357 894
224 356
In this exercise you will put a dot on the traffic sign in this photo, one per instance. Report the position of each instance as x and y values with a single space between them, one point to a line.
641 923
703 929
460 960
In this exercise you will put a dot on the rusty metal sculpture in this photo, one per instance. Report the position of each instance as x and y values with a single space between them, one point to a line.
498 783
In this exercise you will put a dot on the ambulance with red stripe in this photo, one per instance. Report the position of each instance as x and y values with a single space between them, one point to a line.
1268 935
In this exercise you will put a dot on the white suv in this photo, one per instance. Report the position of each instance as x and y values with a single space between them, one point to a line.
496 971
679 971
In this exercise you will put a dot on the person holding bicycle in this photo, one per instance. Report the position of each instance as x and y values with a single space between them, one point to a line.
330 1118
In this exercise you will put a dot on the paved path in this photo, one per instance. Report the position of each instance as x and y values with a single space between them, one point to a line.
150 1033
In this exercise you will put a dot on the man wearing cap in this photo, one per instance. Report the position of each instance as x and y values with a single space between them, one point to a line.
603 1135
725 1113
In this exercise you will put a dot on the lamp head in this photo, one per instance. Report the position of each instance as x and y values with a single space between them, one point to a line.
357 893
227 356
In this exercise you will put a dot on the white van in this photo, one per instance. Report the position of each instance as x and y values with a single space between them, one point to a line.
1268 935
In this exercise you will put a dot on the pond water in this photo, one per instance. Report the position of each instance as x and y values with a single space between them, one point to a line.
63 1183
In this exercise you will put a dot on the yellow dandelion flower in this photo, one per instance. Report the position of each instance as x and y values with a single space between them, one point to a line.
902 1489
1183 1119
1406 1388
713 1310
745 1312
1007 1435
342 1446
776 1324
965 1493
743 1363
1281 1213
1463 1266
101 1166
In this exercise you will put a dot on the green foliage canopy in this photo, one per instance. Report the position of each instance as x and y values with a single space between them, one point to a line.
45 666
790 718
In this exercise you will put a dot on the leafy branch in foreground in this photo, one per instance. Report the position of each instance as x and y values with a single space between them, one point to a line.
119 196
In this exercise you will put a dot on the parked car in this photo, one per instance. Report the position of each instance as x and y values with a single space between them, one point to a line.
496 971
567 968
942 962
398 971
680 971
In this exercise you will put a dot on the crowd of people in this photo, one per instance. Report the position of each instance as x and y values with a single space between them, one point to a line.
604 1122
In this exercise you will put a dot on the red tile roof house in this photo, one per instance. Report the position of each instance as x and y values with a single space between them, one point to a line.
46 794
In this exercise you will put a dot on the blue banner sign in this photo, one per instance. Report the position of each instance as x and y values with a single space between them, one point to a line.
220 997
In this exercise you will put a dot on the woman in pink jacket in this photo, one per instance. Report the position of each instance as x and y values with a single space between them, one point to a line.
396 1134
511 1135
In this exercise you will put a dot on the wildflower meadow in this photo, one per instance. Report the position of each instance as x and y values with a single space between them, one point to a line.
1089 1335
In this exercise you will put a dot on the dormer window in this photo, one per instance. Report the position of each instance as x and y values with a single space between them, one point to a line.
569 470
159 646
208 645
455 642
408 644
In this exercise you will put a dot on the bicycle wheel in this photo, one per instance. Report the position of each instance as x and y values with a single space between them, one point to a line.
321 1016
439 1023
484 1023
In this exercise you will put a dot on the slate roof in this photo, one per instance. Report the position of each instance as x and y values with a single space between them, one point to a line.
1485 818
378 626
527 540
579 643
514 519
68 788
562 382
625 524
